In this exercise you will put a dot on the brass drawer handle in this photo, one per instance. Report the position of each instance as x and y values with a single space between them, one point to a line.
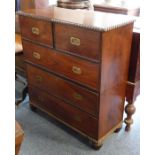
35 30
75 41
76 70
39 78
78 118
36 55
77 96
40 98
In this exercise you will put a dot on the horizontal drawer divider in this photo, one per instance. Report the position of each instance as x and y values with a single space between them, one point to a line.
37 43
78 56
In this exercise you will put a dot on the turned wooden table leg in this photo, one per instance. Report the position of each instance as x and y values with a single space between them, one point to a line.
130 110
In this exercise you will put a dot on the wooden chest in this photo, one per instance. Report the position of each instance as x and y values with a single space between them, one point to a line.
77 67
19 135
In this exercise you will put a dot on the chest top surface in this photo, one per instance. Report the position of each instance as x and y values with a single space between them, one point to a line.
98 21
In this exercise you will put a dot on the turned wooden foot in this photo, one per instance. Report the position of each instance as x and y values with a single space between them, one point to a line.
95 145
130 110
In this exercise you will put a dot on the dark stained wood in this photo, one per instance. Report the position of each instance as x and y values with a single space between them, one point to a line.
63 64
43 28
134 69
20 64
64 111
19 56
132 91
97 43
87 47
74 94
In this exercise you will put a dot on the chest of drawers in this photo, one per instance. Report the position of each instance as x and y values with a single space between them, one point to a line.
77 67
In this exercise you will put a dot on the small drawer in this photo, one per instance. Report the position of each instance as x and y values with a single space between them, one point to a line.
79 70
71 93
64 112
36 30
79 41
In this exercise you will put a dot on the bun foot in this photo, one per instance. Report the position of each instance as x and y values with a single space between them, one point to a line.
95 145
118 130
32 107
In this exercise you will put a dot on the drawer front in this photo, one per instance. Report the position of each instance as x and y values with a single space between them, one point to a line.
74 68
65 112
36 30
78 41
72 93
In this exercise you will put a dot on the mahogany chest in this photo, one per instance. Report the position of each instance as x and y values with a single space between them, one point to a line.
77 66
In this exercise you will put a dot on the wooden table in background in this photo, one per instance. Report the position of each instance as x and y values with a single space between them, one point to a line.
126 7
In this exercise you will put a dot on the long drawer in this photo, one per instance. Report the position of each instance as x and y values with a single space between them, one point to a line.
76 69
65 112
71 93
79 41
36 29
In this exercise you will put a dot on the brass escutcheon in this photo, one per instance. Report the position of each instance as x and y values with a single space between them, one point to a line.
40 98
36 55
39 78
76 70
35 30
77 96
75 41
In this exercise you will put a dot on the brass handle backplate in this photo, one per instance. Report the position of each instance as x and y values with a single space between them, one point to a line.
77 96
36 55
40 98
39 78
76 70
75 41
35 30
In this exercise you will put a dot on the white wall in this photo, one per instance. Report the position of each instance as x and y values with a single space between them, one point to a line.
52 2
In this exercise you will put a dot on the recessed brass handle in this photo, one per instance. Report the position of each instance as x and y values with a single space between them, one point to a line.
78 118
36 55
39 78
77 96
75 41
76 70
40 98
35 30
